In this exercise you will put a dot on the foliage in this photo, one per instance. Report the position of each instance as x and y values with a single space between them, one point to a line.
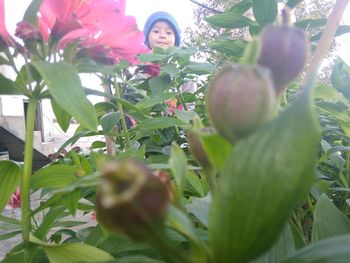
166 185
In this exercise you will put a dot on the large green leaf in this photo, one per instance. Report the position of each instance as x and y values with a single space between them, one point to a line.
53 176
10 177
63 118
234 48
76 253
333 250
280 250
329 221
241 7
265 11
230 20
266 177
50 218
9 87
65 87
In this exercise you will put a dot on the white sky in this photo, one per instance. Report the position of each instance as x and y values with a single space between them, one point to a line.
141 9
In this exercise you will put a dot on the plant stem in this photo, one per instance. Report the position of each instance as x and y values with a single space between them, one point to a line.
182 99
27 171
325 41
122 115
110 142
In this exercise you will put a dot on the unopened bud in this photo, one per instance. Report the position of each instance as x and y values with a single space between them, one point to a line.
131 199
196 146
27 32
240 99
283 51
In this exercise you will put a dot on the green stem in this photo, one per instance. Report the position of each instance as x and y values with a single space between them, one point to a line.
27 171
209 173
122 115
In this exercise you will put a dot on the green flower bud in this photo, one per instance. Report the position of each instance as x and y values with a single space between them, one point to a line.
284 52
196 146
240 99
131 199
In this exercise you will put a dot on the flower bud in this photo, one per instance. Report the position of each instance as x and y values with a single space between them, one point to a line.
284 52
240 99
27 32
131 199
196 146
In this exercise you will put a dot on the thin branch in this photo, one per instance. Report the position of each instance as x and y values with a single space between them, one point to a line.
206 7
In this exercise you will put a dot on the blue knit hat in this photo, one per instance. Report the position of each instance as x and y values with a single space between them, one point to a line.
162 16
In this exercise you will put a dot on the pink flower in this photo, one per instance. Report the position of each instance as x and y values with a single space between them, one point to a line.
60 17
151 69
5 38
104 32
172 106
15 200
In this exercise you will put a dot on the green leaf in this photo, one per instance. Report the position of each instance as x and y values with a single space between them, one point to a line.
63 118
159 84
293 3
268 174
9 235
152 57
340 77
329 221
265 11
65 87
230 20
160 123
48 221
333 250
10 177
234 48
170 69
280 250
154 100
178 164
76 253
53 176
217 148
9 87
199 207
199 68
241 7
326 92
31 14
185 116
178 220
194 180
109 121
4 61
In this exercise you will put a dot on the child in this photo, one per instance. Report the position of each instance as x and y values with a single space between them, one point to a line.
161 30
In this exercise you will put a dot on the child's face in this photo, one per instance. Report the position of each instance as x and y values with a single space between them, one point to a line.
161 35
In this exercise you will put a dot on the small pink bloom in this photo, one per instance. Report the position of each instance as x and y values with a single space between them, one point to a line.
15 200
93 215
172 106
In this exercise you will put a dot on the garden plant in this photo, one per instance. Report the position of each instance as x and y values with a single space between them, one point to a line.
252 167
